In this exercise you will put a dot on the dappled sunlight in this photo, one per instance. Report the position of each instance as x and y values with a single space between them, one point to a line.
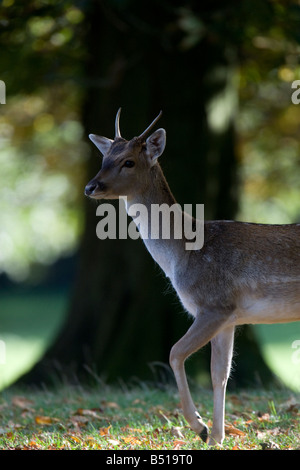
268 135
223 76
280 345
21 355
41 157
29 323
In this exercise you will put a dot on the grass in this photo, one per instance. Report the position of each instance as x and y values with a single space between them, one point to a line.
141 418
123 418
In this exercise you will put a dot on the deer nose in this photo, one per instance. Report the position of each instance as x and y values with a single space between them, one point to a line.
94 186
90 188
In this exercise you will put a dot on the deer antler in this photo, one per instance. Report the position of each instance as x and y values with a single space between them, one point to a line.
117 124
143 135
140 137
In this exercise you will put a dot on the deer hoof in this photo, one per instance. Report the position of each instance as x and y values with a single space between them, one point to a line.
204 434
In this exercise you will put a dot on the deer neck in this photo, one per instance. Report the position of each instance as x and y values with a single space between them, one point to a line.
166 250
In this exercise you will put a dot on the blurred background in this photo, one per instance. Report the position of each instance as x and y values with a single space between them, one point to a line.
73 307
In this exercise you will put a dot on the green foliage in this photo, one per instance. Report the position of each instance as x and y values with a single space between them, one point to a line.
42 152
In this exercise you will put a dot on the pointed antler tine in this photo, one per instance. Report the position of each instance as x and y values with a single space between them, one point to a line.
117 124
143 135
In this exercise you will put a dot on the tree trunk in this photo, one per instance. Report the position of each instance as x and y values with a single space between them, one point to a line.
123 316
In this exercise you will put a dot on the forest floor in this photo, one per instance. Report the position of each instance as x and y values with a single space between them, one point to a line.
141 418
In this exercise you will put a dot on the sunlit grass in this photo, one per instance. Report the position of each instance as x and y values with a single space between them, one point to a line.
142 417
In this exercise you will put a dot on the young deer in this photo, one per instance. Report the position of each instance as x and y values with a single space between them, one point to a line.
244 273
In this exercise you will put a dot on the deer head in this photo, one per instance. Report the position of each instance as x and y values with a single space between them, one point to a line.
126 165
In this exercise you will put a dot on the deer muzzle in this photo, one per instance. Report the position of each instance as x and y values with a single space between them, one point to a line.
94 188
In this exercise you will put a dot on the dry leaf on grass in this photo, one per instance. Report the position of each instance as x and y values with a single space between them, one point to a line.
132 440
232 431
104 431
32 445
127 428
264 417
93 412
113 442
78 421
178 443
110 404
269 446
12 425
74 439
23 403
45 420
91 441
267 433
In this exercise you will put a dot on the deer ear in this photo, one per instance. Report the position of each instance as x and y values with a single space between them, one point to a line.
155 144
102 143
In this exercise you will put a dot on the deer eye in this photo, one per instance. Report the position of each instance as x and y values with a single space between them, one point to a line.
129 164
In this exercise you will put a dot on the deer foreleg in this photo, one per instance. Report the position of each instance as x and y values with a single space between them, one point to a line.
205 326
221 357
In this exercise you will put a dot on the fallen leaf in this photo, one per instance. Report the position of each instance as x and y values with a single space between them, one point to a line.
290 406
268 432
79 420
114 442
269 446
129 429
110 404
90 440
293 408
131 440
45 420
178 444
232 431
11 424
249 421
74 439
263 417
22 402
88 412
104 431
34 444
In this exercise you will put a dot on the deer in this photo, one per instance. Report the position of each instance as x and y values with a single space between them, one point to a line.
244 273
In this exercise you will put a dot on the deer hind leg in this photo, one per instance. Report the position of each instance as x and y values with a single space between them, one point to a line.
205 327
221 357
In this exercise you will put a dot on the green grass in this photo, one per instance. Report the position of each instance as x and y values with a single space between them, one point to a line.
141 418
130 418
